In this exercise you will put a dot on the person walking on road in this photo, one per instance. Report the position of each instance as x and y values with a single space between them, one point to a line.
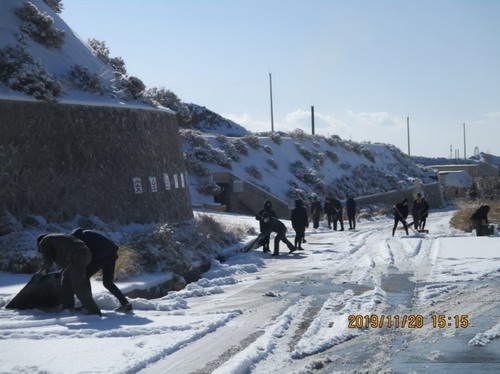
338 214
316 211
350 205
329 211
299 223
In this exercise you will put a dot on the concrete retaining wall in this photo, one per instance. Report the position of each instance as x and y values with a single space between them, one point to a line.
63 160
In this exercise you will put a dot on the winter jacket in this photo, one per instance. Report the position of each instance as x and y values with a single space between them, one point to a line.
100 246
299 217
316 208
481 214
63 250
267 209
350 205
401 210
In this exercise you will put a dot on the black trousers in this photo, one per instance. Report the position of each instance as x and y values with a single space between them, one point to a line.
398 219
107 266
281 236
300 234
352 221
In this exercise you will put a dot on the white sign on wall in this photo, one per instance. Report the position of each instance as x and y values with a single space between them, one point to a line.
176 181
182 180
166 180
137 184
154 184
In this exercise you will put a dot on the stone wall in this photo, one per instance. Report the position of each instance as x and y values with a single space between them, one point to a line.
432 192
120 164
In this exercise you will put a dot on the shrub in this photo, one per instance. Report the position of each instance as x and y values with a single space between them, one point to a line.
20 72
240 147
194 138
100 49
214 155
319 158
168 99
316 144
132 87
268 149
82 78
276 138
309 176
272 163
333 140
55 5
118 65
195 166
228 147
208 187
300 135
39 26
345 165
332 155
254 172
304 152
128 263
252 141
368 154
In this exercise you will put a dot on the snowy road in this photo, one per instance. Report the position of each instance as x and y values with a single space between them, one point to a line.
259 314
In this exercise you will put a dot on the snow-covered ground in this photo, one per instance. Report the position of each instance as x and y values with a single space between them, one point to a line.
260 314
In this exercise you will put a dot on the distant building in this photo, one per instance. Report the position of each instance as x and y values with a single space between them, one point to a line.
456 184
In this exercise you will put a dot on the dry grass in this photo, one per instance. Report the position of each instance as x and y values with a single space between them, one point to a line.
461 219
128 263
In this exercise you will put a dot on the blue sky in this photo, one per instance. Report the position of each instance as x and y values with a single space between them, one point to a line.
365 66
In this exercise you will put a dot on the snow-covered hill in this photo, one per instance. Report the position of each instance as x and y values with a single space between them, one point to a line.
297 166
42 58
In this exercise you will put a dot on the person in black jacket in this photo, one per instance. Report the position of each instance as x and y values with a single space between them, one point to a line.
104 255
417 210
425 214
268 205
275 225
299 222
316 211
350 205
72 256
480 219
338 214
401 211
329 211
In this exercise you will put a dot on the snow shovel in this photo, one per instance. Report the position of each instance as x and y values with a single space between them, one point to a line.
408 225
42 291
252 245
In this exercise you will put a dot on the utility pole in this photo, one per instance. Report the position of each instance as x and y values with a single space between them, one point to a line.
408 131
465 155
271 96
312 118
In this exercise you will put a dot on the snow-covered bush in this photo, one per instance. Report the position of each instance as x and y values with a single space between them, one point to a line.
317 144
240 146
82 78
309 176
332 156
21 72
304 151
194 138
168 99
252 141
132 87
276 138
267 149
294 193
195 166
39 26
56 5
254 172
212 155
100 48
272 163
208 187
333 140
368 154
345 165
300 135
228 147
319 158
118 65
